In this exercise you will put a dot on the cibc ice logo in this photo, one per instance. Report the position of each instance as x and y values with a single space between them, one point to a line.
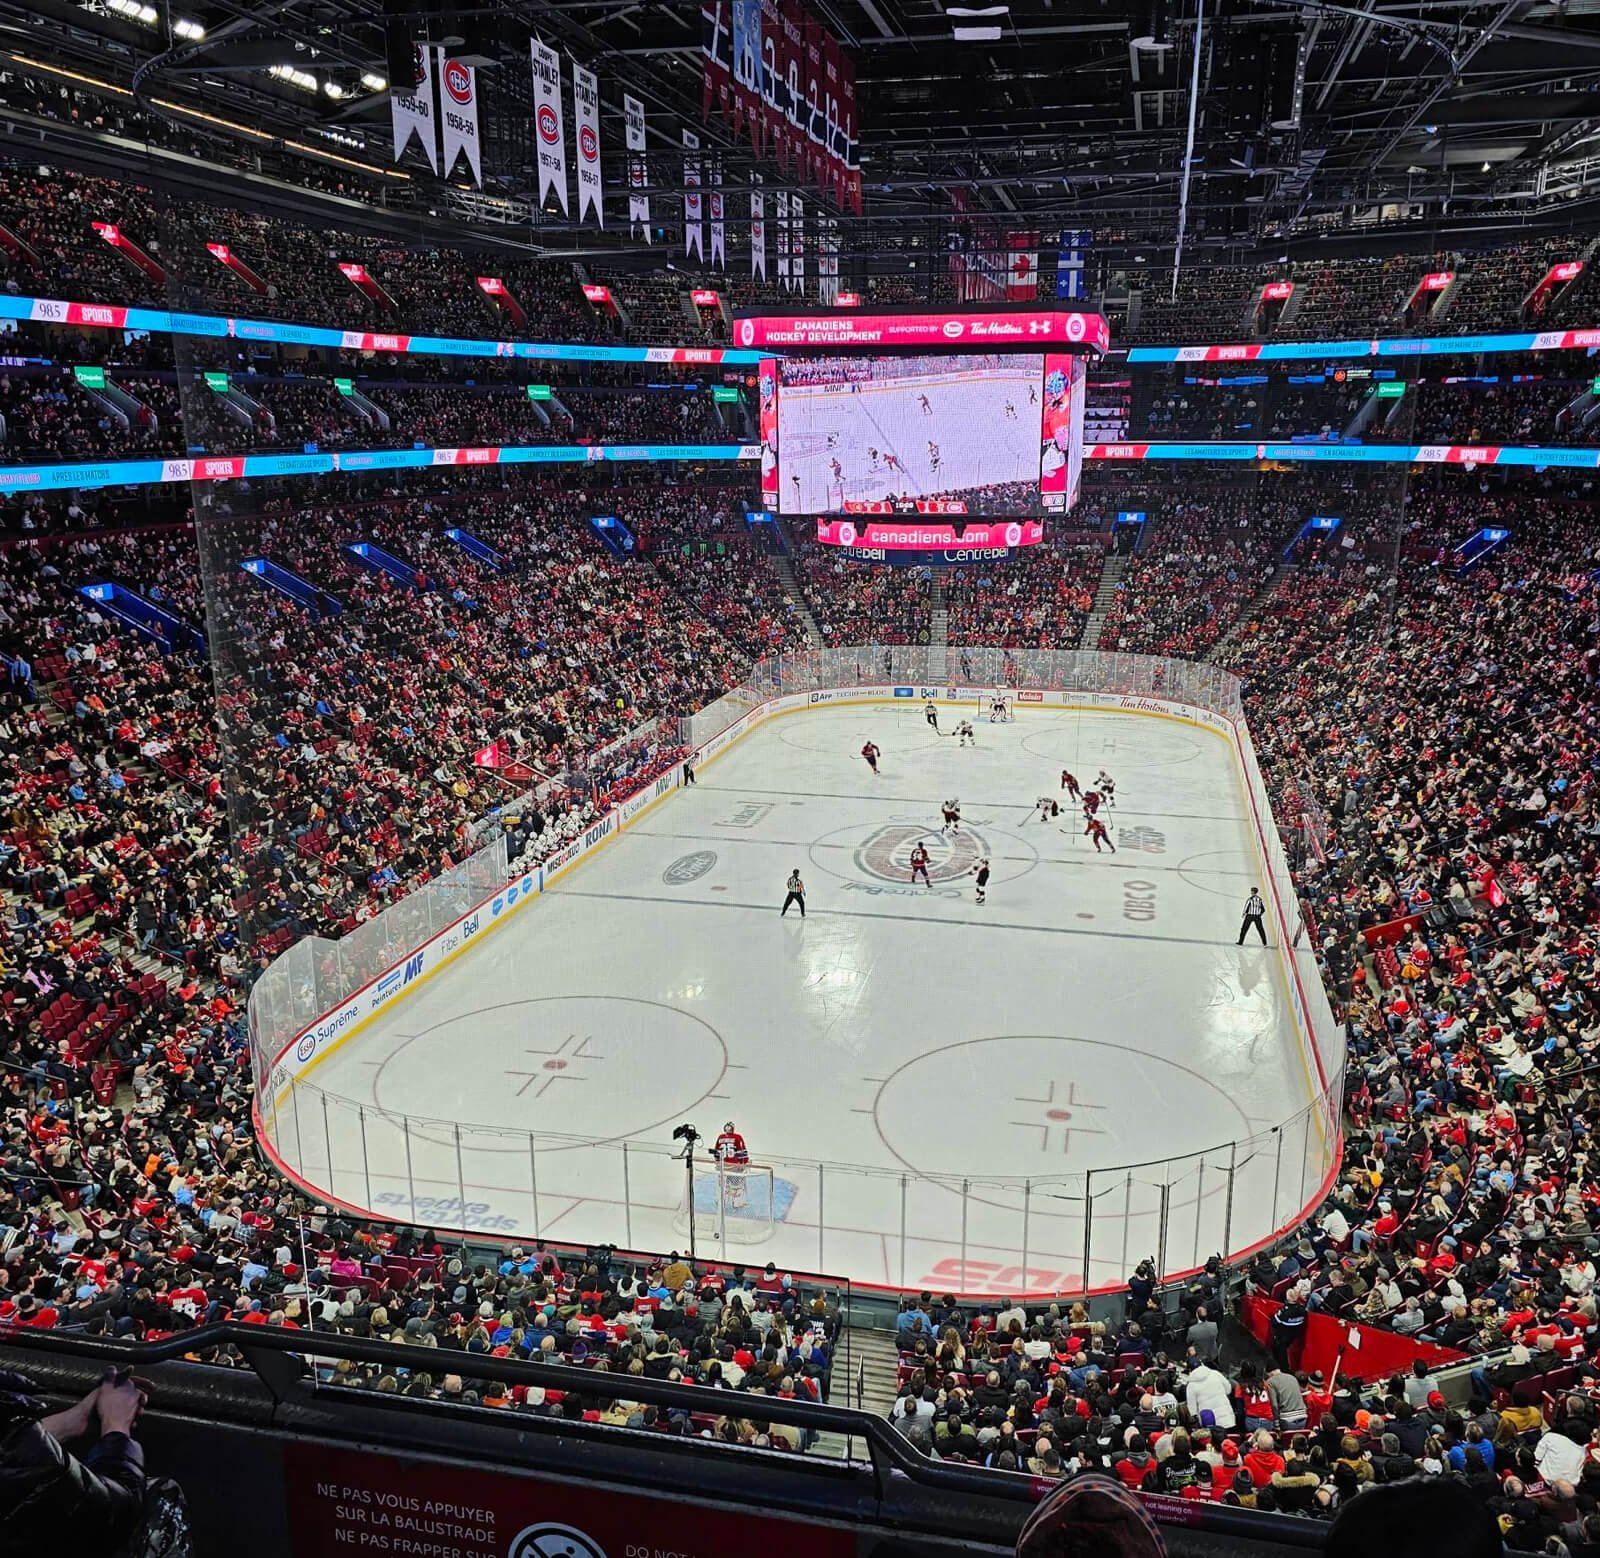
588 143
547 124
458 81
547 1540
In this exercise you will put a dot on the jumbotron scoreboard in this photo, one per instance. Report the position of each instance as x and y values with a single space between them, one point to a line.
910 435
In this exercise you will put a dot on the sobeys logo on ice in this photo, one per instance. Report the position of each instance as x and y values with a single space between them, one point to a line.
546 1540
886 853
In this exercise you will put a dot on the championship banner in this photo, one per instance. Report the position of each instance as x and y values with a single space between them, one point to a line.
758 232
413 112
783 238
716 57
693 234
460 105
638 171
719 252
797 242
747 94
586 114
549 132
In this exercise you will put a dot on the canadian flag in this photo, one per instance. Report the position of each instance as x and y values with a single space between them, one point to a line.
1022 272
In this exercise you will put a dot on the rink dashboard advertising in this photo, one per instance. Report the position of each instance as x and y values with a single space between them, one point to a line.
886 421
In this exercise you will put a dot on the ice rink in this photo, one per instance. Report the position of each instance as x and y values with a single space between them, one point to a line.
978 443
930 1079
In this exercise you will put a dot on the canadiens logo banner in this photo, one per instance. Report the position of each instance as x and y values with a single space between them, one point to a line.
549 132
460 104
638 171
413 112
586 113
693 230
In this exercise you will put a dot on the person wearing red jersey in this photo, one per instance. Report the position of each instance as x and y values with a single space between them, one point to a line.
919 865
870 752
731 1152
1069 783
1097 831
1091 802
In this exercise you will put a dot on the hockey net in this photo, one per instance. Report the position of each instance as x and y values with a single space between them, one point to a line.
733 1204
986 703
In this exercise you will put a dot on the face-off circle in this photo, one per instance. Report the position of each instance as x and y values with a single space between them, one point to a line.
1069 1105
574 1065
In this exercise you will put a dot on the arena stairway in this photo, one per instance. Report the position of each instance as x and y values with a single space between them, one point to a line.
939 614
1251 612
783 567
874 1369
1105 593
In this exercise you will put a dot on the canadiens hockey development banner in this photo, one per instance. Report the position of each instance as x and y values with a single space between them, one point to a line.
638 172
460 106
549 133
586 113
693 232
414 111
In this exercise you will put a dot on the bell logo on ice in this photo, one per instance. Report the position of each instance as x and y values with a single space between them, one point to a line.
547 1540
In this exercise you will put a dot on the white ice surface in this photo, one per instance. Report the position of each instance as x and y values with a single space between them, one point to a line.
1094 1013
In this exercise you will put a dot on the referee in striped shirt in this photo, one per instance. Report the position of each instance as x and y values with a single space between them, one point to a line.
1254 909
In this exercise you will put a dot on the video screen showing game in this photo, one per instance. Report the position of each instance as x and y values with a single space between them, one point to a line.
932 435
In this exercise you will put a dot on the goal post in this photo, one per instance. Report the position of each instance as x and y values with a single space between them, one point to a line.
733 1204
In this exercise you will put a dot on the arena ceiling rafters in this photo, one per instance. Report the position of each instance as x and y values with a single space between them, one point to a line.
1311 120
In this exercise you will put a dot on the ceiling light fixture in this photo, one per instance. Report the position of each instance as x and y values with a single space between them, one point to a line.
185 28
373 82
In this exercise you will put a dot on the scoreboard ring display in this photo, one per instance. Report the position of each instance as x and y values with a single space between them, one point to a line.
923 424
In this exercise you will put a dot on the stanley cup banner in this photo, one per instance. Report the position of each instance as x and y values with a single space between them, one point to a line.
797 243
719 238
638 174
693 232
460 117
549 132
782 197
758 234
586 113
413 111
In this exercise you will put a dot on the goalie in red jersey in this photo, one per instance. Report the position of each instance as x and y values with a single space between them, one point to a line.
731 1152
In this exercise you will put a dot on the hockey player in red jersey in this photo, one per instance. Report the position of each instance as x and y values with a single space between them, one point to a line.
1091 802
919 865
1069 783
1097 831
870 752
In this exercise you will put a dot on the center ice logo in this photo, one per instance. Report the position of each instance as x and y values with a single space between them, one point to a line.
886 854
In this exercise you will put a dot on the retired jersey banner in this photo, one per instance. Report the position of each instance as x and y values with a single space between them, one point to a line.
852 142
716 58
771 76
758 232
413 111
693 217
549 132
719 236
586 119
638 170
833 152
791 89
812 107
747 95
460 114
